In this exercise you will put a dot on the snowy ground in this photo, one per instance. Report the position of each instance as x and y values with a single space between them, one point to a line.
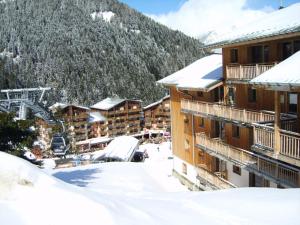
131 193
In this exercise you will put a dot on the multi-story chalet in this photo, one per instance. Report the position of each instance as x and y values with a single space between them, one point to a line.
76 120
98 124
157 115
238 132
123 115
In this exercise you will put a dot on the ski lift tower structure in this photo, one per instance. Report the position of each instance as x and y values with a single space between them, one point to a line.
20 100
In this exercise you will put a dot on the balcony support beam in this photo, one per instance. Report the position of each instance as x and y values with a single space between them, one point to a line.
277 123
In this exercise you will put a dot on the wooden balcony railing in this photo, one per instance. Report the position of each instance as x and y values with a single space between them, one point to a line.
289 141
271 168
226 112
205 176
246 72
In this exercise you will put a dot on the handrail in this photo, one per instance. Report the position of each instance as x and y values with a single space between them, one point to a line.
227 112
252 160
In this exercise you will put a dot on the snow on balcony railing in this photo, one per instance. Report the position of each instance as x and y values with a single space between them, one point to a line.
246 72
249 159
226 112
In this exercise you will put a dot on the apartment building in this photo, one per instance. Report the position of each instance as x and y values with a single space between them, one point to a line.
76 120
123 115
157 115
232 125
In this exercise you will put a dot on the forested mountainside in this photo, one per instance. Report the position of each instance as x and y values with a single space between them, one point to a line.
87 50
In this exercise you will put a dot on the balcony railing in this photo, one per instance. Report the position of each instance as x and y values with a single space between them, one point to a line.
205 177
226 112
271 168
289 141
246 72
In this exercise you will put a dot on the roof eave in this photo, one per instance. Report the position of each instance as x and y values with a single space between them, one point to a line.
265 38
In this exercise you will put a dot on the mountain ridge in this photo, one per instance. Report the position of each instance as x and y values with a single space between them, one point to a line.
84 58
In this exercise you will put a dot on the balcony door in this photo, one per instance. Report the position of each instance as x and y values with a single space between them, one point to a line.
258 54
219 130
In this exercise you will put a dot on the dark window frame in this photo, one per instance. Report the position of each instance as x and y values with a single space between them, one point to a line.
236 133
252 95
237 170
234 55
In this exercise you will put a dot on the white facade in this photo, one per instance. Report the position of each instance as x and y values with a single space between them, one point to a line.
191 173
238 180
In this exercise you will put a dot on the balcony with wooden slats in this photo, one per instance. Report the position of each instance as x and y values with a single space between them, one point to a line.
244 73
271 169
264 140
225 112
208 179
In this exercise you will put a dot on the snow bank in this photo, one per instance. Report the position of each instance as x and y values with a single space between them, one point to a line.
123 193
30 196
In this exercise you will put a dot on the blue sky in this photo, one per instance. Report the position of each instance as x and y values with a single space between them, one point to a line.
164 6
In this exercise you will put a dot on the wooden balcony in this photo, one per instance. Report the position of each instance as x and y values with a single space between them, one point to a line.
225 112
271 169
246 72
213 180
289 151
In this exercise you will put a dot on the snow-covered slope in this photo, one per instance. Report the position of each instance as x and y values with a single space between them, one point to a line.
30 196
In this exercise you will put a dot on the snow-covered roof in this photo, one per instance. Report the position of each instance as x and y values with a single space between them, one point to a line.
108 103
121 148
279 22
286 73
96 117
203 74
64 105
156 103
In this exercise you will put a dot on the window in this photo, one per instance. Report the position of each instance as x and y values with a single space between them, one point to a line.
184 168
199 93
235 131
234 55
256 54
201 122
237 170
186 144
185 92
296 46
121 109
252 95
287 50
259 54
266 53
134 107
293 100
231 95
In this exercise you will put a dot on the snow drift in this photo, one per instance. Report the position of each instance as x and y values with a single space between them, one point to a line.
30 196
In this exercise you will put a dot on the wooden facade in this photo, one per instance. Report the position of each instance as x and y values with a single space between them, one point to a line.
76 120
157 115
123 118
239 128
